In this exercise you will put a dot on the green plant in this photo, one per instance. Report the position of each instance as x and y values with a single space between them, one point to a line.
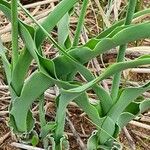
113 110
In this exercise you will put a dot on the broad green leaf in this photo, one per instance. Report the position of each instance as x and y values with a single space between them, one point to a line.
92 141
125 118
50 126
20 71
91 51
132 111
127 96
6 64
21 105
83 102
18 76
53 18
63 32
109 128
24 63
41 115
27 39
34 139
145 105
72 57
5 8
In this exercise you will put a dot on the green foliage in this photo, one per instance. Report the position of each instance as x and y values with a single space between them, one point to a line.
108 115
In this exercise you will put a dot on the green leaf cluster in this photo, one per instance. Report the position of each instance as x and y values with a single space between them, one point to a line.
108 115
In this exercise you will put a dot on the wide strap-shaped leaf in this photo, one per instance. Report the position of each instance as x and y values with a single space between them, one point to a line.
6 64
136 15
63 32
27 39
21 105
92 143
89 109
120 66
108 43
5 8
47 69
104 42
25 58
33 48
145 105
53 18
83 103
44 64
107 130
124 119
132 111
127 96
20 71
